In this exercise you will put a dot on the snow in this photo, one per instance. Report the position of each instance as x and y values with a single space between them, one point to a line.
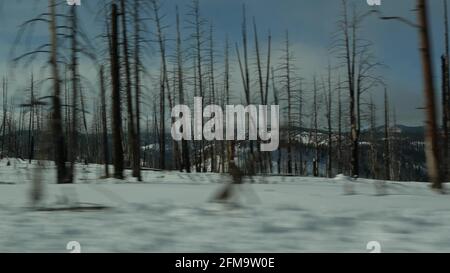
173 212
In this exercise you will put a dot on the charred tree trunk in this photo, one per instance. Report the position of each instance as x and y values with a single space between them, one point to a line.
316 140
137 83
330 146
163 81
57 129
431 137
386 154
289 105
445 98
276 101
73 149
339 155
31 123
104 122
130 117
350 53
5 112
186 162
116 100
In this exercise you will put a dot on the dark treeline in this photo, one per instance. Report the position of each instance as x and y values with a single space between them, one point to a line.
146 64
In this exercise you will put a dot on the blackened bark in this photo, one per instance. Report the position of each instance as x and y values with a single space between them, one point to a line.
116 101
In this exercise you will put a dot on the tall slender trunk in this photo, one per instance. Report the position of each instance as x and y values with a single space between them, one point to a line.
186 163
444 86
116 100
262 86
137 83
87 150
339 155
330 143
163 82
315 122
198 81
130 117
73 149
276 101
386 154
31 122
289 106
212 95
243 67
104 123
300 127
231 144
350 53
266 94
57 129
445 98
431 138
5 112
373 144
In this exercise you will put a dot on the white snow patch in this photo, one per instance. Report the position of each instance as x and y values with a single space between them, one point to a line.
171 212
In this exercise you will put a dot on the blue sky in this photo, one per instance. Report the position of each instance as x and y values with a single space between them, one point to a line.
310 23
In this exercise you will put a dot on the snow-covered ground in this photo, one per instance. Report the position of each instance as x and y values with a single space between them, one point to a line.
172 212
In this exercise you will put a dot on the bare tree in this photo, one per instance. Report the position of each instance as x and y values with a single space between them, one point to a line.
57 128
339 134
186 163
244 65
445 96
116 100
431 138
288 82
132 138
315 113
104 122
212 94
346 45
163 81
373 141
137 86
329 102
386 154
31 122
73 139
197 23
5 112
276 101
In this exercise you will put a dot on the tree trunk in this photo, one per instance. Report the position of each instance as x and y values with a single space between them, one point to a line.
431 138
116 100
186 163
31 123
445 98
330 146
130 117
57 129
137 82
386 155
339 155
73 149
104 122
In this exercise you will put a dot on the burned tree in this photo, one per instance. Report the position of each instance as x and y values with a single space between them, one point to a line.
186 163
116 99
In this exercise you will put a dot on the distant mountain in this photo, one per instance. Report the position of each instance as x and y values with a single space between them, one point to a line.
416 131
410 129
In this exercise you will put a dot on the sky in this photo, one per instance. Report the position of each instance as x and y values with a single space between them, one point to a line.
310 24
